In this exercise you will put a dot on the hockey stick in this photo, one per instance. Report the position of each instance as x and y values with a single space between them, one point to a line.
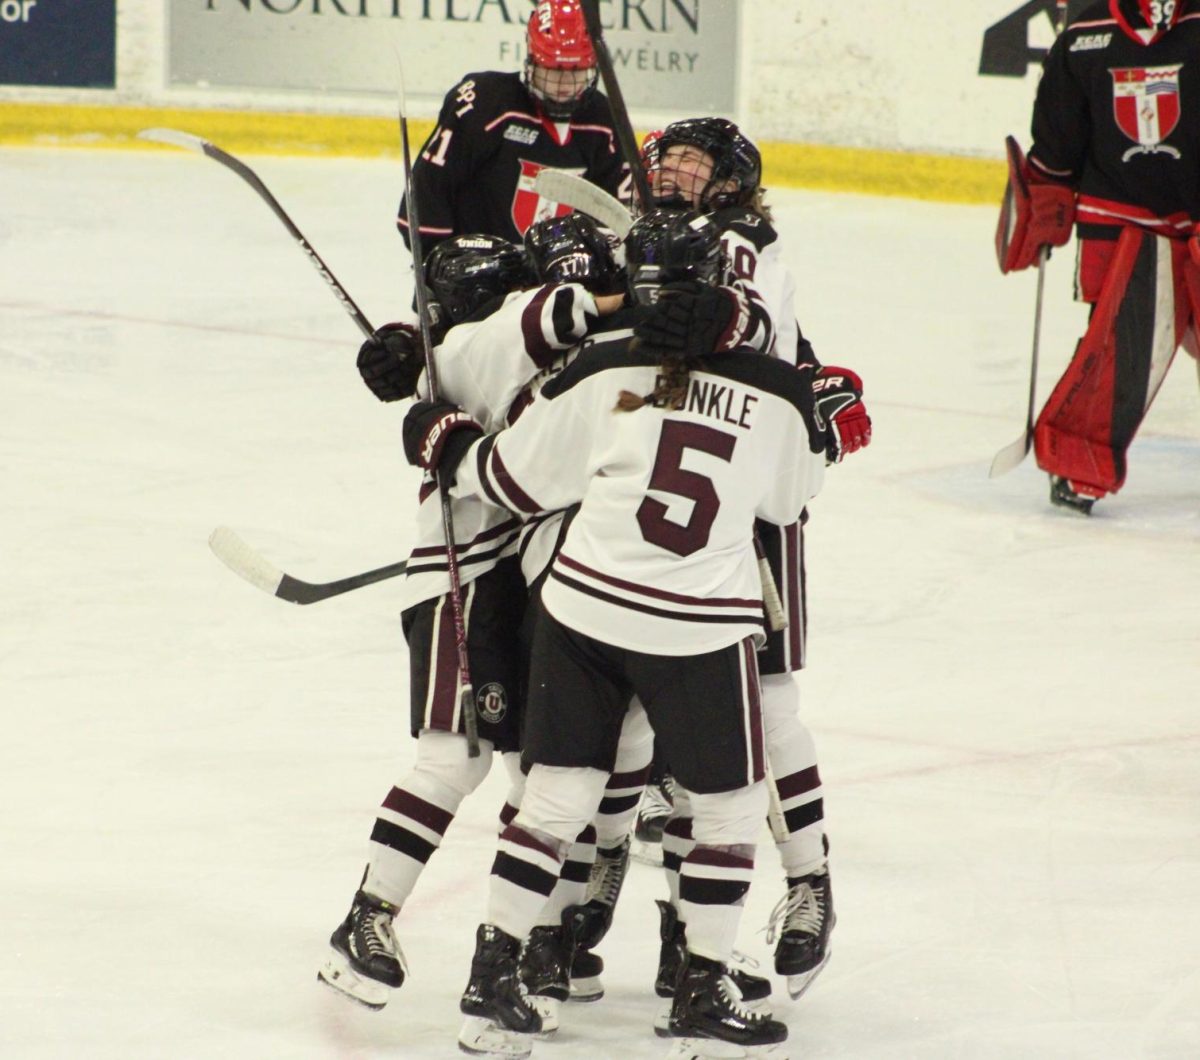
467 698
772 604
621 124
251 565
570 189
195 143
1015 452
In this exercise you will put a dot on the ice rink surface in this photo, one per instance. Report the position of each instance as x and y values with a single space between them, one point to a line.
1004 695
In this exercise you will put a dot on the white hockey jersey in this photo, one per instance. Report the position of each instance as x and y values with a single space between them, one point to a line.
483 366
659 557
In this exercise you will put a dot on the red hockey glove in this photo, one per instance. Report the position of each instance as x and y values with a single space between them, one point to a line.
1035 213
391 361
696 318
437 435
1194 245
841 414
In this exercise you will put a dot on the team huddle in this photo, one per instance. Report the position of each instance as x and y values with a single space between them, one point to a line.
627 434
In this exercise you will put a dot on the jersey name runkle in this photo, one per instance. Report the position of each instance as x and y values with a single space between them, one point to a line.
724 403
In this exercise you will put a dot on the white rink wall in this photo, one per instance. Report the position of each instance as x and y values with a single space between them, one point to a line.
901 76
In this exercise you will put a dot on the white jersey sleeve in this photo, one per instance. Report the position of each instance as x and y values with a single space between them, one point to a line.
752 248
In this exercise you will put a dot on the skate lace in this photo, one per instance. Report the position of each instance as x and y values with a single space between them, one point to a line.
733 1000
377 935
800 909
604 883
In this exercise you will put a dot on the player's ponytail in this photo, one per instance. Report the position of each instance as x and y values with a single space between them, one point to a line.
670 385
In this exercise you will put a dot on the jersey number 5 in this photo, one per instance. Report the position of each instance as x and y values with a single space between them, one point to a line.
669 477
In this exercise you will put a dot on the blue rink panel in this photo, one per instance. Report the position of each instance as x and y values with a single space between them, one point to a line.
55 42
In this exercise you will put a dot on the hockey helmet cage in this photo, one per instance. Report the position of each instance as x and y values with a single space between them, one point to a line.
1160 15
573 249
735 160
466 272
669 246
560 63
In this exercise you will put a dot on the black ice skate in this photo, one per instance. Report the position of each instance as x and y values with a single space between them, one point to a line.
545 969
657 803
586 969
1065 494
500 1020
593 919
366 963
709 1013
802 921
671 953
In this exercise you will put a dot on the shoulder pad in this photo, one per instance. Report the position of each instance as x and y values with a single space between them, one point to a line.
752 227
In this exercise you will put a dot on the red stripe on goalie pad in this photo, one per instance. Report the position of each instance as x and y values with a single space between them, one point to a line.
1073 435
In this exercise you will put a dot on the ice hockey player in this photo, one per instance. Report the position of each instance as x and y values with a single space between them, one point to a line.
708 164
496 131
1116 152
610 432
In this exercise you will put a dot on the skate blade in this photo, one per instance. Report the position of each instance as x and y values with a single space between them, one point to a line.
482 1037
547 1008
798 984
342 979
590 989
662 1020
713 1049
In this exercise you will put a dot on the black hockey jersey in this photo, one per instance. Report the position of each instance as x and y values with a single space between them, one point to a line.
476 170
1117 116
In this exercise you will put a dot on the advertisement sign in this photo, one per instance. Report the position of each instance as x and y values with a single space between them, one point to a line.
63 43
670 55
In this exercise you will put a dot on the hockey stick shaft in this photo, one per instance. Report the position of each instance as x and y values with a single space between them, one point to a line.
621 123
467 695
253 567
1016 451
195 143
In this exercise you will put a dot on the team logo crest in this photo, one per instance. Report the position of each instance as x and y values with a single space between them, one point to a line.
1146 107
491 701
528 206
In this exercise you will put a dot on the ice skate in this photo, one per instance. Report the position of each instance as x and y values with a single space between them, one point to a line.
653 814
1077 496
593 919
545 970
500 1020
365 961
712 1020
586 969
802 921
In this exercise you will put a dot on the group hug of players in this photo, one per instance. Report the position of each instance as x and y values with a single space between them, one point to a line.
624 427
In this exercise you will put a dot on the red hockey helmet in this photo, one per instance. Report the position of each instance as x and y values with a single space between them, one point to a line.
558 37
1160 15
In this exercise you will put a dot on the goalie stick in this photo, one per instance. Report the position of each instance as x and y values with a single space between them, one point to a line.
570 189
1016 451
195 143
251 565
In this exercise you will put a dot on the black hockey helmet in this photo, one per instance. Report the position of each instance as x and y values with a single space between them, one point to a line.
735 160
573 249
669 246
466 272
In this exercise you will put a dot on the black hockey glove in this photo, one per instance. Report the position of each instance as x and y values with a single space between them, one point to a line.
695 318
437 435
841 414
391 361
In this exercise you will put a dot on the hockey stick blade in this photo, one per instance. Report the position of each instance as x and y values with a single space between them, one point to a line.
252 566
1011 456
570 189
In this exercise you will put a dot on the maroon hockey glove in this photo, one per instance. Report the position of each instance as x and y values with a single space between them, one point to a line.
696 318
437 435
1035 213
841 414
391 361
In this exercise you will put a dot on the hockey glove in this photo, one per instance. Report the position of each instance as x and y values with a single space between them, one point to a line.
695 318
391 361
1035 213
1194 246
841 414
437 435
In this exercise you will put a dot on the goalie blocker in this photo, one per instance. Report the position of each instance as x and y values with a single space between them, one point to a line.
1036 212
